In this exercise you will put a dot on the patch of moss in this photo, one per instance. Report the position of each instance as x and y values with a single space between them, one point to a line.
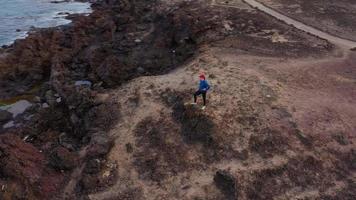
4 102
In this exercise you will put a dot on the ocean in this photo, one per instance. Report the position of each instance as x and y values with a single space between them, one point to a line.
18 16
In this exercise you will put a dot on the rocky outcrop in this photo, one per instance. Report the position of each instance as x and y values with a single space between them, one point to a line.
5 116
62 159
25 170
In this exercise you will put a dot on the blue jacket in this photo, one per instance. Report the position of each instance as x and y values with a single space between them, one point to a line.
203 85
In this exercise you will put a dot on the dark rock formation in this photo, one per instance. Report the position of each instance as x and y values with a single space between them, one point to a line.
99 145
63 159
5 116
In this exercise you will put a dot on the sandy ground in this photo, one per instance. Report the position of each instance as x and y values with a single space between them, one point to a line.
315 95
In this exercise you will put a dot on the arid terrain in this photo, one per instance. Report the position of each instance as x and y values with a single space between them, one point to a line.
111 119
335 17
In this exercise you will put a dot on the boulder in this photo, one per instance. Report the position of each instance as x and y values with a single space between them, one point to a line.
19 107
100 145
50 98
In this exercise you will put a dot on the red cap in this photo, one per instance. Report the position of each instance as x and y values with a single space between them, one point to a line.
202 76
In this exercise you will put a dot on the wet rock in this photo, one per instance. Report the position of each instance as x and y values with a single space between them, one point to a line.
100 144
9 124
83 83
62 159
19 107
227 184
5 116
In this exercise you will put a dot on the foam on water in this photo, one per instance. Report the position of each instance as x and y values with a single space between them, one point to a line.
18 16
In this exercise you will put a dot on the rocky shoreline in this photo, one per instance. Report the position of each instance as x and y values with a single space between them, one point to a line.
16 25
56 147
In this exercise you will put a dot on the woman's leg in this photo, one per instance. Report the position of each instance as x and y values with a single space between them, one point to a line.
204 97
197 93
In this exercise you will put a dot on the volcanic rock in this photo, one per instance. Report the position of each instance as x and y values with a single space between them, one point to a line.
63 159
5 116
25 167
100 144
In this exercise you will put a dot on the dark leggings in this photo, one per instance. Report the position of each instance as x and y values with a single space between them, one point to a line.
197 93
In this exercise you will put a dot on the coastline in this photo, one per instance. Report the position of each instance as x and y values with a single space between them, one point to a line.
53 19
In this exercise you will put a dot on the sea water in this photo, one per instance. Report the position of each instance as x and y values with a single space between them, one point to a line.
17 17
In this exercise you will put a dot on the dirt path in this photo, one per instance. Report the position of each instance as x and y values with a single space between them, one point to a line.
299 25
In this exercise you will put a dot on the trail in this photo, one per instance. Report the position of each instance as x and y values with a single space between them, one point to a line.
344 43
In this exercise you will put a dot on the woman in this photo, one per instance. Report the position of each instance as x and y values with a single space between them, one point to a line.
203 89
